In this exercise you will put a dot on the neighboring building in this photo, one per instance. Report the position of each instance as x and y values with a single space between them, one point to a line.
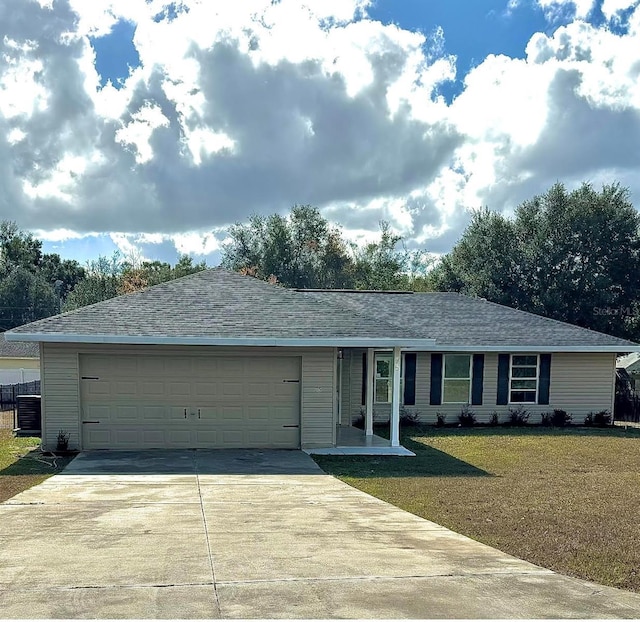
631 362
217 359
19 361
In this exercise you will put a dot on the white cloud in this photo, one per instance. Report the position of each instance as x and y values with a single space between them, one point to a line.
248 107
556 8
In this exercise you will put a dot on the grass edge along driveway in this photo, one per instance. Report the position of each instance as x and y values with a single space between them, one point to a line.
22 464
565 499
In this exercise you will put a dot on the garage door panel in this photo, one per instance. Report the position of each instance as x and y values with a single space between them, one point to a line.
227 414
243 402
153 438
96 436
258 413
152 388
232 367
97 388
258 388
205 390
126 389
97 412
231 389
126 413
177 390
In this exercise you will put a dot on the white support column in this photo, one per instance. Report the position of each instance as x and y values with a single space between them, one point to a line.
371 374
395 398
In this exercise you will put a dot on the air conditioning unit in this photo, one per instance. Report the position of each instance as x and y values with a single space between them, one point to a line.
29 417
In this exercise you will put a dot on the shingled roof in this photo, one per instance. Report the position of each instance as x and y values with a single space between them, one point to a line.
218 307
18 349
455 320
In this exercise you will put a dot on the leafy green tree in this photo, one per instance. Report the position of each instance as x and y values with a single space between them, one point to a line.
572 256
66 273
300 250
101 282
304 250
25 292
18 248
24 297
107 277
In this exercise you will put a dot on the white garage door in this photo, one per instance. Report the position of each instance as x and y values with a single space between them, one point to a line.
138 402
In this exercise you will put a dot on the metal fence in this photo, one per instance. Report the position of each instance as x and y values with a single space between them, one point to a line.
8 395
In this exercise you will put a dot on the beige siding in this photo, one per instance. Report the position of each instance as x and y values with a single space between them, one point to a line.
60 375
580 383
18 363
346 389
61 404
318 424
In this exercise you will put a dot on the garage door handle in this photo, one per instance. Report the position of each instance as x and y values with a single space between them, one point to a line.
290 426
198 413
90 422
185 413
290 381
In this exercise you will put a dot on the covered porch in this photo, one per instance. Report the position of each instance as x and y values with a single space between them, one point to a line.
351 441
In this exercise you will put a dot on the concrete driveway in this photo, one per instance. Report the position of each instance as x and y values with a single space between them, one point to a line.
246 534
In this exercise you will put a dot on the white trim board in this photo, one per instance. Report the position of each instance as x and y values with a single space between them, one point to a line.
333 342
418 344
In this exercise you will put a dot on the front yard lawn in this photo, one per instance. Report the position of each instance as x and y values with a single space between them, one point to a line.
22 465
566 499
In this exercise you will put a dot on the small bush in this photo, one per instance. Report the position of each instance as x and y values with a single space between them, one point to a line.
440 420
601 419
545 419
494 419
466 418
560 418
409 417
518 416
62 442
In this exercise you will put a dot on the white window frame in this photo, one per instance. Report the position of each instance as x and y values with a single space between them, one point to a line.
387 353
444 376
537 378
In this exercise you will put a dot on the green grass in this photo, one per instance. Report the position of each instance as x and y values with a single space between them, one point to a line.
566 499
22 465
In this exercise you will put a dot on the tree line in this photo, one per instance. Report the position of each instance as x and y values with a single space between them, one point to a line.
568 255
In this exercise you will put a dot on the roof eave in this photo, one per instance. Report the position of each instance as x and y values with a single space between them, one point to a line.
334 342
614 348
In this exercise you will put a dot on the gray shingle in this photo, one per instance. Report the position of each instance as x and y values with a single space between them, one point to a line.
18 349
216 304
457 320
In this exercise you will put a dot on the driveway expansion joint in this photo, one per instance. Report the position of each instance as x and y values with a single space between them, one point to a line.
463 575
206 535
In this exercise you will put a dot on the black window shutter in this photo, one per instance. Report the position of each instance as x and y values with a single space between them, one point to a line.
503 379
410 379
477 379
364 378
545 379
435 396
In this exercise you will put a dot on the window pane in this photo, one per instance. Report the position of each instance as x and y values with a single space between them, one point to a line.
524 372
456 365
383 366
528 359
382 391
523 396
524 384
456 391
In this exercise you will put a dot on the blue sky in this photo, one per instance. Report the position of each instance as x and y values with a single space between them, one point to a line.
150 126
473 29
